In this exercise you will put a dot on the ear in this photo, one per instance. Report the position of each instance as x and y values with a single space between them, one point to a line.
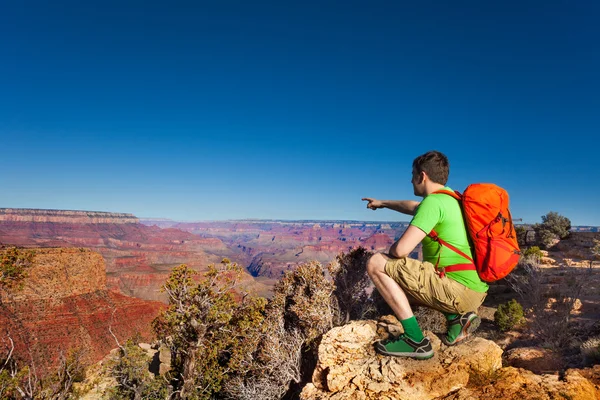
423 176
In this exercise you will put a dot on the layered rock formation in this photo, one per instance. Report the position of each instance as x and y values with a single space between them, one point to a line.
65 216
64 304
269 248
138 257
349 368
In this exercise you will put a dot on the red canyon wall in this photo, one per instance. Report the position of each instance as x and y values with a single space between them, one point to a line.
65 305
138 257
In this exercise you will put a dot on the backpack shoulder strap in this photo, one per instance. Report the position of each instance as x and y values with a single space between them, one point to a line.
434 236
454 194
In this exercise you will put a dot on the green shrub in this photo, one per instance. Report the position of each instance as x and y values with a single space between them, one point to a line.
533 251
509 315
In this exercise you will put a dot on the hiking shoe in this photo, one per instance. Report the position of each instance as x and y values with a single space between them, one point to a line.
403 346
469 323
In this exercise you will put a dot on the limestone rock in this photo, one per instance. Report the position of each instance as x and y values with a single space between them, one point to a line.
521 384
164 356
548 261
349 367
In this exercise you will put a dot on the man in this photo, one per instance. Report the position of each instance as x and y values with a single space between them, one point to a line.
398 278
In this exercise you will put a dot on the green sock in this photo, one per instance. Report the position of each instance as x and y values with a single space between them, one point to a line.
412 329
455 329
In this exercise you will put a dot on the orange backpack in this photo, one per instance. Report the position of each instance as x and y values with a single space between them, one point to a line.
490 230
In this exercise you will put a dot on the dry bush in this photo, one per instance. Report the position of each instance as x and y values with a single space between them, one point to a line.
302 309
19 379
304 298
486 373
353 287
548 309
278 362
590 350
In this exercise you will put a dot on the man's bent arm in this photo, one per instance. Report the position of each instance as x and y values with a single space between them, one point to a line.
407 243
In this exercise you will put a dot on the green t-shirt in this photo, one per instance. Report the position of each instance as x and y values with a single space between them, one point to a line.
443 214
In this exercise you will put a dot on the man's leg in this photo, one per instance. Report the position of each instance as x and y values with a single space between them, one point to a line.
389 289
413 343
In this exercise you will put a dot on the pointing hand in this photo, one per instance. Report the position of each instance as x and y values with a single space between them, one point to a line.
373 204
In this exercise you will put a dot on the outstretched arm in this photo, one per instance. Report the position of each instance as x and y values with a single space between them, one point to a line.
404 206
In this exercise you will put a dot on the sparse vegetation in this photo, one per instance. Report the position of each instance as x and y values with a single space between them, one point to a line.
134 381
228 344
548 307
13 267
590 350
595 250
19 379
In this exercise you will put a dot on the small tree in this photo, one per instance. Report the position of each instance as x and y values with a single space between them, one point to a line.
210 328
134 381
553 227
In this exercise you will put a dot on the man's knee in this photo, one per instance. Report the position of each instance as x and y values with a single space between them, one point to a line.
376 264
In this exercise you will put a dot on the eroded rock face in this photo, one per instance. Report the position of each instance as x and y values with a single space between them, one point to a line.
349 367
64 305
58 273
138 257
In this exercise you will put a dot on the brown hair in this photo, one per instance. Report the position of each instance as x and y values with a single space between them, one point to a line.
434 164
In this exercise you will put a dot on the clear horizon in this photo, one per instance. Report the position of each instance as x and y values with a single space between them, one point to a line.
295 111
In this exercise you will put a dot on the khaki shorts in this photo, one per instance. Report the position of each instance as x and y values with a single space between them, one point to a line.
422 284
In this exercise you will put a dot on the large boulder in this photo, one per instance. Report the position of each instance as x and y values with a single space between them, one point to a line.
349 368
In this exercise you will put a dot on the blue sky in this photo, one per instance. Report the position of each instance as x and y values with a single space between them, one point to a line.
296 110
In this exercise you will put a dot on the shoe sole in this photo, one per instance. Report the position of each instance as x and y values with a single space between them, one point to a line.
469 328
419 356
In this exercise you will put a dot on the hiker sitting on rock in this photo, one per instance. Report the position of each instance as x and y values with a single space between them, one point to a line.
398 278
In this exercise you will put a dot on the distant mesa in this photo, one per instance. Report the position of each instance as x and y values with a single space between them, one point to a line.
65 216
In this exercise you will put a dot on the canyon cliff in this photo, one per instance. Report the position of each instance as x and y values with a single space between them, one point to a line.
269 248
138 257
64 304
